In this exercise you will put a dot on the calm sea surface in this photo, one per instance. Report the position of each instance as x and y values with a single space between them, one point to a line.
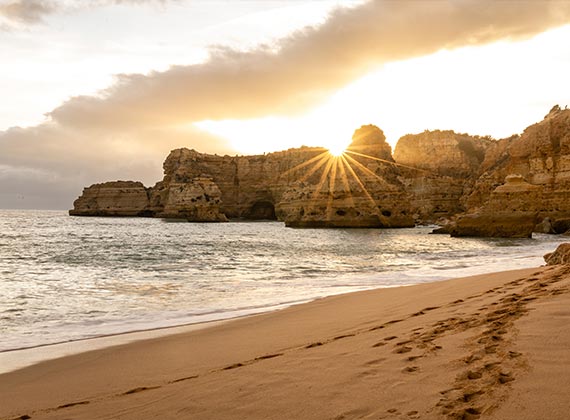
67 278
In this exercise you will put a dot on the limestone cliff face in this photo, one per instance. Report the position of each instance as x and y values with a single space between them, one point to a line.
433 175
117 198
370 141
250 186
509 212
361 188
541 155
444 153
197 200
446 165
303 187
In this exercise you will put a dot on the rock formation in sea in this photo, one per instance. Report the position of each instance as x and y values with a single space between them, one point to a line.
536 170
115 198
361 188
541 155
509 212
483 187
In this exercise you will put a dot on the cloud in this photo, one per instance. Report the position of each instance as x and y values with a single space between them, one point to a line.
138 119
30 12
303 69
55 162
27 11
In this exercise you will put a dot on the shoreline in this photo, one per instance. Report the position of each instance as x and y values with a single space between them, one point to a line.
19 358
9 359
347 356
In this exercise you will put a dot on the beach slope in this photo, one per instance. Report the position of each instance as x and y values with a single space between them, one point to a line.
491 346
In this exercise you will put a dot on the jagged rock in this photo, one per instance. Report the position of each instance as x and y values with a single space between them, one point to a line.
117 198
517 225
250 186
560 256
439 168
506 214
448 153
303 187
541 155
432 175
196 201
370 141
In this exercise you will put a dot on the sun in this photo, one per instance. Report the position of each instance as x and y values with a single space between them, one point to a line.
337 150
272 134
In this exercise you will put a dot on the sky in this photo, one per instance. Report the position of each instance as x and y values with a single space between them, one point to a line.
97 90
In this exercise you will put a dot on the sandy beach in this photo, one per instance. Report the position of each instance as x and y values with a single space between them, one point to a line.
490 346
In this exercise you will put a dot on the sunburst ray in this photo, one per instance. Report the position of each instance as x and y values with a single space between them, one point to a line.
360 183
352 152
300 166
365 169
344 179
332 183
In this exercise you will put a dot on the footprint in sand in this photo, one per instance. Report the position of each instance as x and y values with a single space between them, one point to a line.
505 377
137 390
472 375
73 404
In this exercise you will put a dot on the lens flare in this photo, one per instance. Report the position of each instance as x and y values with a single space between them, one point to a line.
337 150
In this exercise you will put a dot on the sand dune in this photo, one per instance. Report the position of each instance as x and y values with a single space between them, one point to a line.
491 346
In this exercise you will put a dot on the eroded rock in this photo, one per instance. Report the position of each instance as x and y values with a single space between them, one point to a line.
116 198
505 225
198 200
560 256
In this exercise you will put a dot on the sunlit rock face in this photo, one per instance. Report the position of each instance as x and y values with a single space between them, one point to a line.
541 156
360 188
560 256
117 198
432 176
303 187
438 169
500 225
509 212
370 141
197 200
536 172
250 186
444 153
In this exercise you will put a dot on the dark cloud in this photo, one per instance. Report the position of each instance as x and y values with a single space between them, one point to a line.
118 133
56 162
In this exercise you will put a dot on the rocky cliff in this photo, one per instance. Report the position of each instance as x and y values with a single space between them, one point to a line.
541 155
361 188
432 175
439 169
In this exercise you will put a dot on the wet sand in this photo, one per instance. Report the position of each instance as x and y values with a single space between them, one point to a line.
492 346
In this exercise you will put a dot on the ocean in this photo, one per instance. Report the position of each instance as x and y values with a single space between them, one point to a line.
68 278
